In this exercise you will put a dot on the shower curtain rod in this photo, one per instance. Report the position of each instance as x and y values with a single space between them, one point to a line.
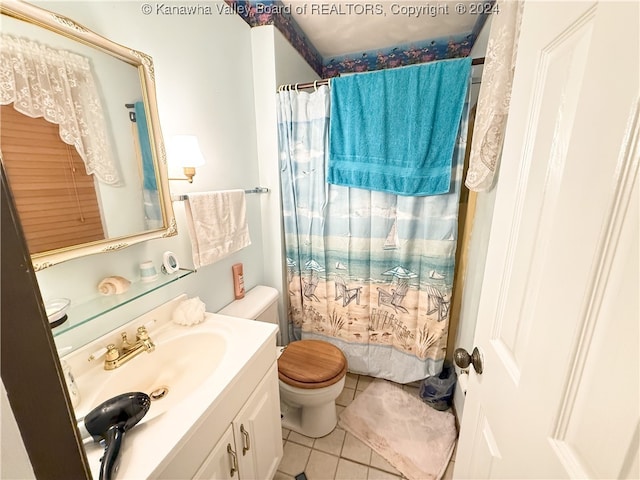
318 83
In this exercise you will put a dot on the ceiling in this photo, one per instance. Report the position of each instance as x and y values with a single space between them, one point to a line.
339 28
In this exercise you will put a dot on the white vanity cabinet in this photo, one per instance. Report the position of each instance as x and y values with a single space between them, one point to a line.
251 447
229 399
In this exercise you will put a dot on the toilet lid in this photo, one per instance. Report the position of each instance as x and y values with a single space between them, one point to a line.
311 364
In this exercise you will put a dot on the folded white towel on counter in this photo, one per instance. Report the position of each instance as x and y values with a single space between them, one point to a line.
217 224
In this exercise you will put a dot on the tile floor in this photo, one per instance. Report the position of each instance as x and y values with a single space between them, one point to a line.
339 455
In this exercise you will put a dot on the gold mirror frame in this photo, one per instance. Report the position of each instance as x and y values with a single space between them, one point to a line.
69 28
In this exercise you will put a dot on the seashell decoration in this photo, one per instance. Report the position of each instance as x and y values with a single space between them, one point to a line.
113 285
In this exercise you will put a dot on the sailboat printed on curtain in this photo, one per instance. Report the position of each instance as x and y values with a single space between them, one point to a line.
436 275
392 242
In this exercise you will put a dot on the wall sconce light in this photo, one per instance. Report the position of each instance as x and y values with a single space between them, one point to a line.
184 151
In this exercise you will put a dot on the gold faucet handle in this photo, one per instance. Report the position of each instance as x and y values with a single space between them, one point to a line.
142 333
143 338
112 353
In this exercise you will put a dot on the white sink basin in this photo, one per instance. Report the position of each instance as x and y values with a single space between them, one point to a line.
168 374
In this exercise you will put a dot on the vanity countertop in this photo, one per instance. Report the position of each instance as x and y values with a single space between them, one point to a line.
149 447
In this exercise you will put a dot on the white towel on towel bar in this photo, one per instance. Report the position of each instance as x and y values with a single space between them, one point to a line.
217 224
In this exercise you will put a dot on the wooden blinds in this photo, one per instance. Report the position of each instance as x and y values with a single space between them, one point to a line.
54 196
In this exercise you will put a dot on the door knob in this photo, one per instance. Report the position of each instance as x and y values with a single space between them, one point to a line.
463 359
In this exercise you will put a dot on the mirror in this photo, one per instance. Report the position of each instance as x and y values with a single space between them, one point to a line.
96 181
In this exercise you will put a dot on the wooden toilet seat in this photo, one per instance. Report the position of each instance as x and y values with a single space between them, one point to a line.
311 364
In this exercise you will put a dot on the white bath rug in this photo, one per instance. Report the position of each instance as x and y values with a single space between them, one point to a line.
413 437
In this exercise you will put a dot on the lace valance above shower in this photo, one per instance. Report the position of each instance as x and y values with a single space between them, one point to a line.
58 85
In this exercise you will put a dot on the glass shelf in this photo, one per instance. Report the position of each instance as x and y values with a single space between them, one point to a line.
84 312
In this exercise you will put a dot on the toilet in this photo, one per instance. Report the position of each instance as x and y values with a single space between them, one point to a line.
311 373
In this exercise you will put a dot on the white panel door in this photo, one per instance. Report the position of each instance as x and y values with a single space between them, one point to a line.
558 321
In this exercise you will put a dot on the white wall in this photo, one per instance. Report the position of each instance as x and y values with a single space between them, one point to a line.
204 85
275 62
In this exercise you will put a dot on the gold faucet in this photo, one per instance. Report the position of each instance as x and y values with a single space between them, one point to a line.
115 357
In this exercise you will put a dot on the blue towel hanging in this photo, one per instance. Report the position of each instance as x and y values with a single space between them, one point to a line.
395 130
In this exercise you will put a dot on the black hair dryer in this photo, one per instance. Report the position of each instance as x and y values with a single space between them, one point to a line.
110 420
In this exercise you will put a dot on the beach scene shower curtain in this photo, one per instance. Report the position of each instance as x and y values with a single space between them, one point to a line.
370 272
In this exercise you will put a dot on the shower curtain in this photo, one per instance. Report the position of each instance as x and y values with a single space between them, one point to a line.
370 272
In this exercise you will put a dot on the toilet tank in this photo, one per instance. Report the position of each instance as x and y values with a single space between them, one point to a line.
259 303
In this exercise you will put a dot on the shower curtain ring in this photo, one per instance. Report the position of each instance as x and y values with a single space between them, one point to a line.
315 85
296 87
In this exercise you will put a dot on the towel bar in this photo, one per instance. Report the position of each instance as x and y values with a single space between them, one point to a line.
181 198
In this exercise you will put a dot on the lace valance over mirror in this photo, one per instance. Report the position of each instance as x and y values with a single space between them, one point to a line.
58 85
